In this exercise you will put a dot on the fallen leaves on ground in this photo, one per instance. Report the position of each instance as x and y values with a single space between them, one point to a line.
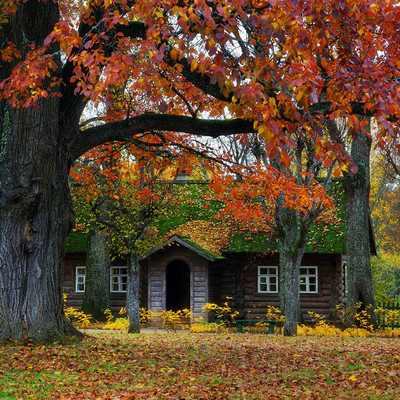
201 366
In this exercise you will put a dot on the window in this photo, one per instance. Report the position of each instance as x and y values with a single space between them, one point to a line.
268 279
308 279
80 274
118 279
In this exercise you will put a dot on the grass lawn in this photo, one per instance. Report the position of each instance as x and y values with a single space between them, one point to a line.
202 366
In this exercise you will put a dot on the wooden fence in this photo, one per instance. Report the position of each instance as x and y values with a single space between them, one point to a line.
388 315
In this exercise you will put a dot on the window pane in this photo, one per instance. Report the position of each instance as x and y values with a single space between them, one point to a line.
303 271
114 271
123 271
313 288
312 279
263 287
312 271
263 279
303 288
273 288
263 271
302 279
272 271
272 279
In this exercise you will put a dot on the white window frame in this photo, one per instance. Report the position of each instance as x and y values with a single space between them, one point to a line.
118 279
265 279
308 279
80 278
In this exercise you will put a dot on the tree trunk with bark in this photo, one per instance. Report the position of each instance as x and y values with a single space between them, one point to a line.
292 244
97 283
132 296
357 187
35 206
35 218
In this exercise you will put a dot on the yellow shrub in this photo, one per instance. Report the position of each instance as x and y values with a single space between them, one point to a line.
209 327
322 328
175 319
75 315
223 312
80 317
388 317
120 324
275 314
146 316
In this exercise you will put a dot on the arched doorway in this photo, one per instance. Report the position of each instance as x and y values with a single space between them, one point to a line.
178 286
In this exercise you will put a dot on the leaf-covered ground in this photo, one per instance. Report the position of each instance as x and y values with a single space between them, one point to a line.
202 366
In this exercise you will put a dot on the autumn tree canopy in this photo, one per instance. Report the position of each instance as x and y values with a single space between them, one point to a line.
199 67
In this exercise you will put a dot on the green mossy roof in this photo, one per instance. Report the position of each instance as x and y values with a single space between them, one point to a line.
324 238
77 242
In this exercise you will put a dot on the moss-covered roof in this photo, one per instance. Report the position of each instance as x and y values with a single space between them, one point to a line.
198 226
77 242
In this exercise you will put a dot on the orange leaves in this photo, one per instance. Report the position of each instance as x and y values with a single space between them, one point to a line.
10 52
24 87
204 366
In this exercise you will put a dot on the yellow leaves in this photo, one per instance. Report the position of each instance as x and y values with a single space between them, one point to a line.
81 317
206 327
107 3
174 53
175 319
212 236
193 65
121 324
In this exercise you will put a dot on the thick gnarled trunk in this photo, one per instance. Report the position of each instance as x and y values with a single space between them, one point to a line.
35 218
132 296
97 283
357 187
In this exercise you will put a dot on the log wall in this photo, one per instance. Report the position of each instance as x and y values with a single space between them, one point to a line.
117 300
255 304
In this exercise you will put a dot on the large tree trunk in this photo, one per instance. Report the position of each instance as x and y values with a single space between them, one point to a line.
132 296
292 299
357 187
35 219
97 283
35 207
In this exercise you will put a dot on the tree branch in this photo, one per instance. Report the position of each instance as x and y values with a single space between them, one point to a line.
124 130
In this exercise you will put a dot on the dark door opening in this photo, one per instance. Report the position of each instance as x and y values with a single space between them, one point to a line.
178 286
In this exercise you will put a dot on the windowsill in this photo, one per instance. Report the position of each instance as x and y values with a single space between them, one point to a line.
261 294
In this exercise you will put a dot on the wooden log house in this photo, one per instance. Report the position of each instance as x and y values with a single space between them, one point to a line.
181 273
